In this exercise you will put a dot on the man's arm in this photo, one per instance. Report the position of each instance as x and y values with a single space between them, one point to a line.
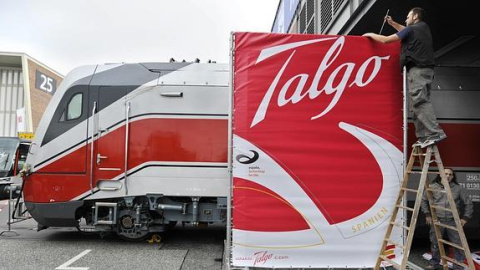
424 205
382 38
468 205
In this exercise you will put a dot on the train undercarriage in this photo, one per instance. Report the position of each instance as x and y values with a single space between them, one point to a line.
135 218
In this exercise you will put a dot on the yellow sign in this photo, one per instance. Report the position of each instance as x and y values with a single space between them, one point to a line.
26 135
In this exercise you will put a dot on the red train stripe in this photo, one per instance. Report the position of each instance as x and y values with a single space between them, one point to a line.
152 139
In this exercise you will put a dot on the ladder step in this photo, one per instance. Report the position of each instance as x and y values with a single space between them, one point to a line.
437 190
404 207
445 226
454 261
394 243
451 244
441 208
400 226
396 265
409 190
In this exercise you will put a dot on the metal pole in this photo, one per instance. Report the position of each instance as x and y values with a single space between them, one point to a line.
228 240
127 137
383 22
94 123
9 222
405 142
405 119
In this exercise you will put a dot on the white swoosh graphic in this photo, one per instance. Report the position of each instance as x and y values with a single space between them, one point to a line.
279 181
389 159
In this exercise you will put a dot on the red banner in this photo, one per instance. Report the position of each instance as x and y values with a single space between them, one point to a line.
317 148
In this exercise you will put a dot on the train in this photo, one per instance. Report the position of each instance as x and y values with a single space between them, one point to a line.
13 154
133 149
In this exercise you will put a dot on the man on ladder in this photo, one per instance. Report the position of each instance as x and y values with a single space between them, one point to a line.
418 57
465 211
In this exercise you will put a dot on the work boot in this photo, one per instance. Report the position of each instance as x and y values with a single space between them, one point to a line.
433 140
419 142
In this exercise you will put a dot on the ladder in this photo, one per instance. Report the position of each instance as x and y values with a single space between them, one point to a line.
425 160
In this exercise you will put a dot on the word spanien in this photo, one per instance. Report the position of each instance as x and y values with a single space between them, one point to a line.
378 217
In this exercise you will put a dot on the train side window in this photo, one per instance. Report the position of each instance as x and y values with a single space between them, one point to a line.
74 108
22 155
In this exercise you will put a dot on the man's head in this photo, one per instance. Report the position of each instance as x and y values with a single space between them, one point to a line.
451 176
415 15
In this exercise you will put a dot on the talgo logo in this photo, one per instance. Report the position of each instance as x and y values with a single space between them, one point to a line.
341 77
244 159
262 257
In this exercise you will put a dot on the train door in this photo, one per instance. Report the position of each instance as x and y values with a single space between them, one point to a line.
109 150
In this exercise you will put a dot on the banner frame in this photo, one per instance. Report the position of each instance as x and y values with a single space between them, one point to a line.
228 259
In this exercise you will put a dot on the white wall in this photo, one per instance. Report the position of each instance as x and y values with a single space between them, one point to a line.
11 99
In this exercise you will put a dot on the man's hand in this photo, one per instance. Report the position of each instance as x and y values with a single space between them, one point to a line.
389 20
393 23
463 222
428 220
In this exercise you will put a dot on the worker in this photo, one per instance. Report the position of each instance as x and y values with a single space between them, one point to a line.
464 206
418 58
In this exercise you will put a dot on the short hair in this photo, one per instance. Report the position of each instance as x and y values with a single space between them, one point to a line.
420 12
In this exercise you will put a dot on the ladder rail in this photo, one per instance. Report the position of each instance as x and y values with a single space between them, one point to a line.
424 161
393 217
434 219
429 195
456 216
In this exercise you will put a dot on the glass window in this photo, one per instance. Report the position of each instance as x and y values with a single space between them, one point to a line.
22 155
74 107
8 148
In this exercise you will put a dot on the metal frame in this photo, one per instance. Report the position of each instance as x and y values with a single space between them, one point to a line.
405 119
9 221
127 136
228 241
94 123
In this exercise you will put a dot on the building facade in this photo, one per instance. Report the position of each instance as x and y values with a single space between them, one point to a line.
26 87
455 91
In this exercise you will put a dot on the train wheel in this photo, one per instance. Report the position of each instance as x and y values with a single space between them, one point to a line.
134 238
128 231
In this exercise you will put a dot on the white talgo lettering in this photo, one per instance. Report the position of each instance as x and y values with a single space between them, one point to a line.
361 71
343 71
297 95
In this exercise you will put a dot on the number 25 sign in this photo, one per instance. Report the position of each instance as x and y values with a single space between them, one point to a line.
45 82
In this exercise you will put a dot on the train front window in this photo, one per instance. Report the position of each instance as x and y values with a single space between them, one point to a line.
74 108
